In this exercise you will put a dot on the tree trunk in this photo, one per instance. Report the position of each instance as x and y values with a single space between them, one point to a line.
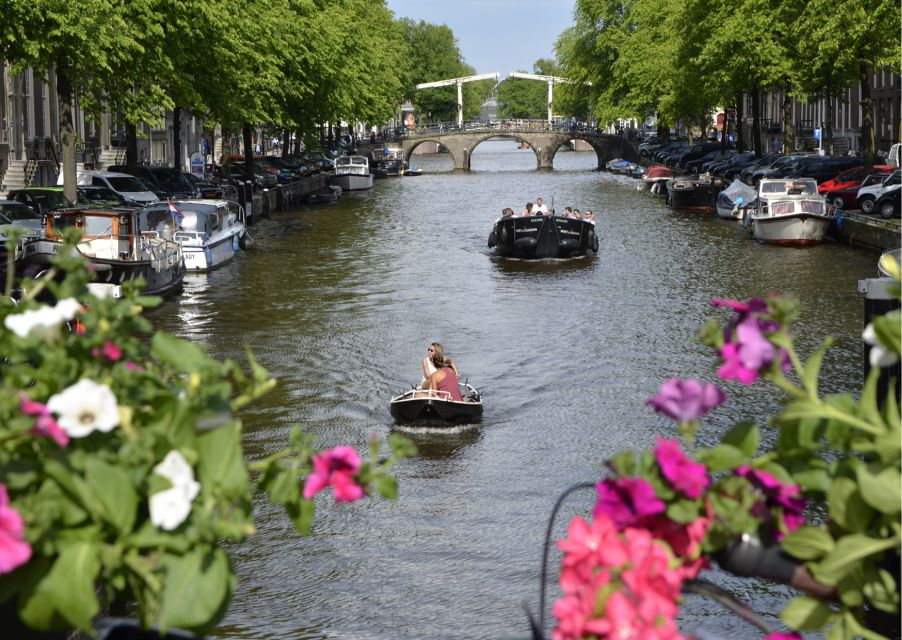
177 137
756 120
297 141
286 143
828 125
67 132
740 132
789 132
867 118
248 152
131 146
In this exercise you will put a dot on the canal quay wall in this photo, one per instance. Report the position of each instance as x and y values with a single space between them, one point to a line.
285 196
861 230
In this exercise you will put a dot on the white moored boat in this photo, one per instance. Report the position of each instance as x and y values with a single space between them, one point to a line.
352 173
790 212
210 233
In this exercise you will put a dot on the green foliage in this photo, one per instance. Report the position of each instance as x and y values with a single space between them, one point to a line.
95 520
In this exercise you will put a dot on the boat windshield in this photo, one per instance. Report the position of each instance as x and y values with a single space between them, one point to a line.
15 211
803 186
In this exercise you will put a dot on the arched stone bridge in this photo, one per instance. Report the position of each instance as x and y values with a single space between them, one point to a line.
544 143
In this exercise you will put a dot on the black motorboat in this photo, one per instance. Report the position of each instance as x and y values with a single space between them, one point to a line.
429 407
688 193
536 237
327 193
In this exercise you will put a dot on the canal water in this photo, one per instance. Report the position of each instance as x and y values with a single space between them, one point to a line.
340 302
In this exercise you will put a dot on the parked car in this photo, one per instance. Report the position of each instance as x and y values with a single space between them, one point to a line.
847 197
17 214
867 196
261 179
41 199
851 177
165 181
734 162
94 196
887 205
772 170
820 168
211 190
694 152
127 186
284 172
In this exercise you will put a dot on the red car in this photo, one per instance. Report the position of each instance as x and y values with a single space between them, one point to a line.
851 177
847 197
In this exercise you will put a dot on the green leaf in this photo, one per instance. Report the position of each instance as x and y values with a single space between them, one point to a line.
66 592
846 507
301 514
812 368
220 459
149 536
387 486
180 354
196 589
808 543
284 488
848 552
882 591
806 614
401 446
117 499
723 457
881 487
745 436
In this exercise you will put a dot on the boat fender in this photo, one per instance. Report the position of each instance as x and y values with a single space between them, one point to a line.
594 241
504 235
235 243
492 239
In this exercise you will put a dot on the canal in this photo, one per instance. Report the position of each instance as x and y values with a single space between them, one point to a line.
340 302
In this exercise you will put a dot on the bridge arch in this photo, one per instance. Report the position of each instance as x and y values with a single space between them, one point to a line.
544 143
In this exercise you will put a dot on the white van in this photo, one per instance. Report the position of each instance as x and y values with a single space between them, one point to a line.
894 157
127 186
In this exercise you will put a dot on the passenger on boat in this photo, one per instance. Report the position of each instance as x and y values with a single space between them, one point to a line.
527 210
589 217
507 212
436 354
568 212
540 208
577 214
445 379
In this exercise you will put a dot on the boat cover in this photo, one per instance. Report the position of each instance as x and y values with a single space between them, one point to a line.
738 189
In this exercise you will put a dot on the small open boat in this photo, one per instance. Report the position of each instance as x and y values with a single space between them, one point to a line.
430 407
326 193
538 237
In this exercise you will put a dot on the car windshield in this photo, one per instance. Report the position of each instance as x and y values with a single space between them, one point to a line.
170 179
126 184
100 194
15 212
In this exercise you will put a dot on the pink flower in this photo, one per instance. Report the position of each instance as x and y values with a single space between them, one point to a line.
14 550
753 305
778 494
686 400
111 351
732 368
683 474
45 426
336 468
626 500
780 635
586 548
133 366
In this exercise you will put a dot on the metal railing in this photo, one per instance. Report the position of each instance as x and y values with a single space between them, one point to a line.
516 125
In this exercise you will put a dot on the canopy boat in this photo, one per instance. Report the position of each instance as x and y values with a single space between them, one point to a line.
352 173
885 266
119 244
436 407
210 233
733 202
656 177
697 194
790 212
537 237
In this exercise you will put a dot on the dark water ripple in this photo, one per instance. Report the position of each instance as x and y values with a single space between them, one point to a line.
340 301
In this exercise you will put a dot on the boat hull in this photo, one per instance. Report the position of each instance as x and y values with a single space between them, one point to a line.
798 230
692 195
435 408
540 237
207 256
353 182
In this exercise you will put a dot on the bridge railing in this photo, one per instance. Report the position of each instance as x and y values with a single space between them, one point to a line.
512 125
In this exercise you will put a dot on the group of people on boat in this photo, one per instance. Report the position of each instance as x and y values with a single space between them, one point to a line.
538 208
440 373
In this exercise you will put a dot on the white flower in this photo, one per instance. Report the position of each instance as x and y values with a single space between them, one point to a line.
44 321
67 308
85 407
879 355
170 508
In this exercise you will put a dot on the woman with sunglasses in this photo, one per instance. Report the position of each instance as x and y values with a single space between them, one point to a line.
444 376
436 354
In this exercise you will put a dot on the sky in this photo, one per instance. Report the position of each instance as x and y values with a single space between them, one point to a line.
495 36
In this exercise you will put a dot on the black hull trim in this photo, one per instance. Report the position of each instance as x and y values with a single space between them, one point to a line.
433 411
540 237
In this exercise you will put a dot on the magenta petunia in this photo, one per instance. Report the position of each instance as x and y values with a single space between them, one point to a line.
14 550
336 468
781 635
777 494
732 367
626 500
753 305
46 425
686 400
683 474
755 351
